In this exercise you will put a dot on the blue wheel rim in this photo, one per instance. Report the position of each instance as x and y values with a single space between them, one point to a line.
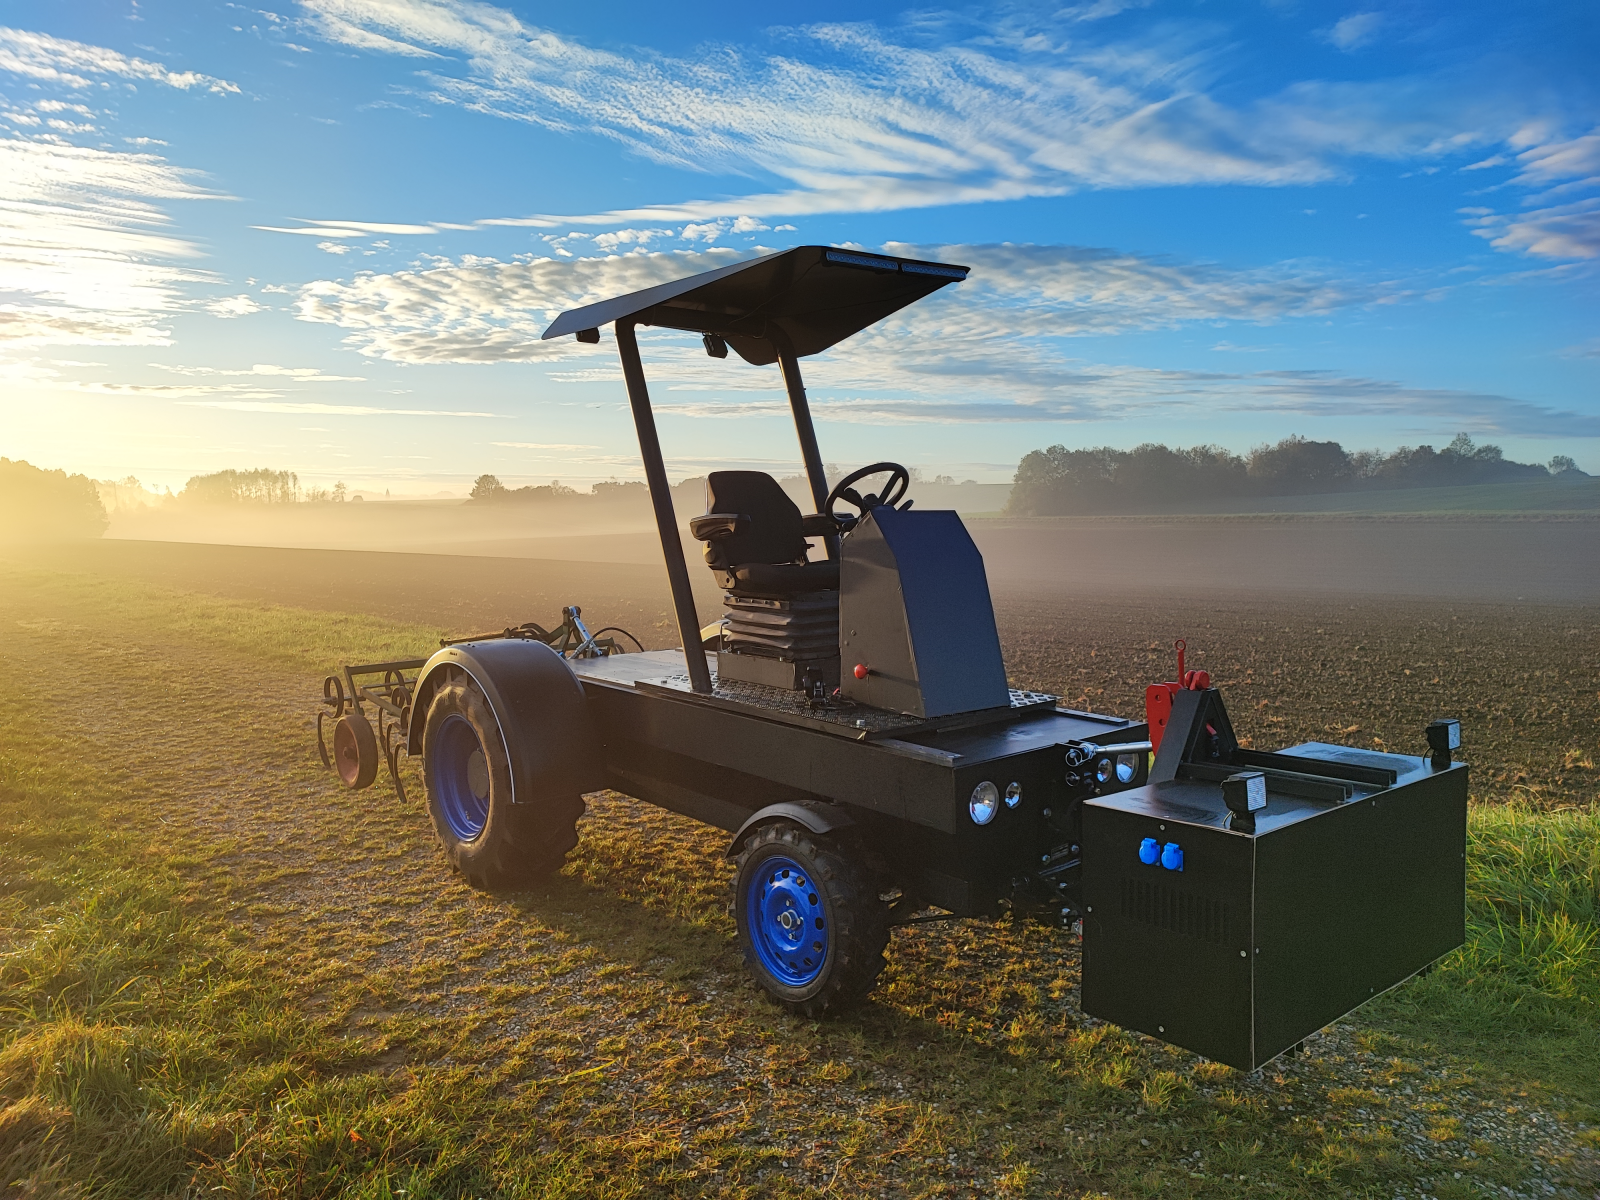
787 921
459 773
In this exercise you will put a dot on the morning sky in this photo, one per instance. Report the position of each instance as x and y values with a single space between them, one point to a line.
325 236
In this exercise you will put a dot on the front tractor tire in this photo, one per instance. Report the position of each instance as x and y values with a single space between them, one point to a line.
811 925
496 844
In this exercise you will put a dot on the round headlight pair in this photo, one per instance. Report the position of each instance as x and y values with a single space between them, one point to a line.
1123 768
985 800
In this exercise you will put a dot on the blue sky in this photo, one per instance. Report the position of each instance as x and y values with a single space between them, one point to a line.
325 236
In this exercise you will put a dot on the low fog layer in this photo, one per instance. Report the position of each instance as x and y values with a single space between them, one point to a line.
1487 558
614 523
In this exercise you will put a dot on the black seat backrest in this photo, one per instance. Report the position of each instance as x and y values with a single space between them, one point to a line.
774 534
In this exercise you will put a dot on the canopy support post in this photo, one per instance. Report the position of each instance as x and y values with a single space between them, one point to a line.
795 386
655 471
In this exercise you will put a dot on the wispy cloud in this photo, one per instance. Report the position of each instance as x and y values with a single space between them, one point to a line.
1102 393
1557 220
868 124
58 60
1554 160
356 229
995 349
84 250
1355 31
483 310
86 256
1059 290
288 374
1558 231
182 392
226 307
543 446
330 410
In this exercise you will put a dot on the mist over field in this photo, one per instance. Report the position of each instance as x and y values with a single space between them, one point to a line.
1533 536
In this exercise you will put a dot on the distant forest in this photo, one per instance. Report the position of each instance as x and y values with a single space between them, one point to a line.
1157 478
37 504
262 485
688 495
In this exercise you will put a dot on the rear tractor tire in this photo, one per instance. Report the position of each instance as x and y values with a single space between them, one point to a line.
496 844
811 925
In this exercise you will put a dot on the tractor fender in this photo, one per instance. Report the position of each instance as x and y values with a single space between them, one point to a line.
539 705
813 815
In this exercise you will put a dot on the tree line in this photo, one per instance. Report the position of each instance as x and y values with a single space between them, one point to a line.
43 505
262 485
1157 478
688 495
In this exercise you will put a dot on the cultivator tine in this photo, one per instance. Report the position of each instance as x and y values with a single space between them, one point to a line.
322 745
333 696
392 741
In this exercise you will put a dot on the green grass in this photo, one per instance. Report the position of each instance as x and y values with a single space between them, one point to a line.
221 975
1523 995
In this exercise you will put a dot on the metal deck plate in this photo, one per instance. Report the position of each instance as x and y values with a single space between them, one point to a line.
839 716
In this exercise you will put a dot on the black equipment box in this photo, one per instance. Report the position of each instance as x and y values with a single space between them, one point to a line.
1238 945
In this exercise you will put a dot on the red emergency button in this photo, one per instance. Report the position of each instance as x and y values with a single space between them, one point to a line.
862 670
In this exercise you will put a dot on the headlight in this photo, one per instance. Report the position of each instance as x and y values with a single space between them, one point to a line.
985 802
1013 794
1103 770
1127 767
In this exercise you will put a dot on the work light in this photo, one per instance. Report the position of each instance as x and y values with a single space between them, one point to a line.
1444 735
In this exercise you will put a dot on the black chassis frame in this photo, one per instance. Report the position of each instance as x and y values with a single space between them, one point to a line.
906 798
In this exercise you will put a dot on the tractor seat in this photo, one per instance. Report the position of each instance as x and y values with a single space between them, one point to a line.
756 538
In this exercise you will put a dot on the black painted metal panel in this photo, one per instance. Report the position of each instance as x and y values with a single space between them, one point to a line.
717 764
1260 940
1354 900
914 608
1168 952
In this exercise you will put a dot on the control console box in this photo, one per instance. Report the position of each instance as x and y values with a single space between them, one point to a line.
1237 936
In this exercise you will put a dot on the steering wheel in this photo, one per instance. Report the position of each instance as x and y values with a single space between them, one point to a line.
893 491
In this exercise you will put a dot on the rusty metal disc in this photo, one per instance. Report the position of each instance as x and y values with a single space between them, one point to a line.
355 751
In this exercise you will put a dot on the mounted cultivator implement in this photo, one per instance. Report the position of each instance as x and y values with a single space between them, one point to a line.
849 722
389 688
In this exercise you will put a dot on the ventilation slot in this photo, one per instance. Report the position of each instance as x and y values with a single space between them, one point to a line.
1152 902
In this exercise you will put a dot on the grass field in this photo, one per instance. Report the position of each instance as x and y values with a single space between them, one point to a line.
222 974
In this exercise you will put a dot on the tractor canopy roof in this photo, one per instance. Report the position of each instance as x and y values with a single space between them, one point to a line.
802 300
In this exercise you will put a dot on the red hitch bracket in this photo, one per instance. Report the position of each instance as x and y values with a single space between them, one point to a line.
1158 697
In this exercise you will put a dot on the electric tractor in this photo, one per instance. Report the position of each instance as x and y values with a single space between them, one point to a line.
848 720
